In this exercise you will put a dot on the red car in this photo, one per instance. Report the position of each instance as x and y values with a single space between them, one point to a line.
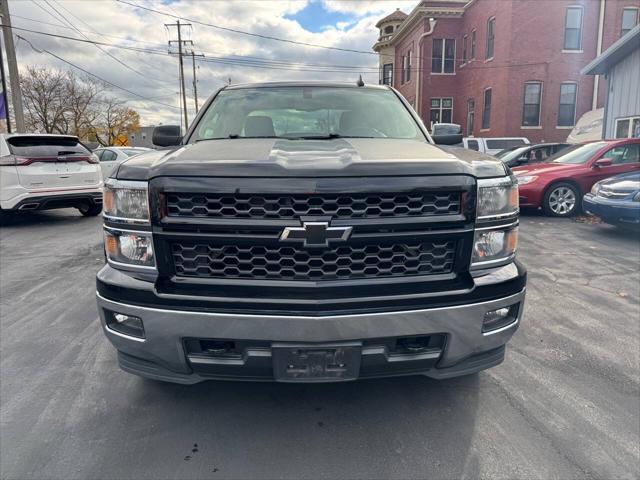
559 184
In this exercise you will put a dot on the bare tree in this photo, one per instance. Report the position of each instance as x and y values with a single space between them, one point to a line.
117 122
43 91
83 104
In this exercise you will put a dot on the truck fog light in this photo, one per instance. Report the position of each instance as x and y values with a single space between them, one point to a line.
501 317
125 324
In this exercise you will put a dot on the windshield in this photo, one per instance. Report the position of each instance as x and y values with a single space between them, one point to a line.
577 153
307 112
507 155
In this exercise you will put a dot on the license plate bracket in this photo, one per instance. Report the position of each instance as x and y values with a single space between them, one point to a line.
316 362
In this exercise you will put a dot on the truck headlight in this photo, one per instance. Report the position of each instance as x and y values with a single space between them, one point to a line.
497 197
492 247
126 201
125 247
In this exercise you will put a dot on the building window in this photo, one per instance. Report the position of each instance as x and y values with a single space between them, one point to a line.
443 55
387 74
388 29
465 40
531 107
491 36
629 20
567 107
628 127
471 109
473 45
441 110
486 110
573 29
404 68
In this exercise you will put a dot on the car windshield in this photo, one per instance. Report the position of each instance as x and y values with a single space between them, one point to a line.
307 112
130 152
508 155
576 154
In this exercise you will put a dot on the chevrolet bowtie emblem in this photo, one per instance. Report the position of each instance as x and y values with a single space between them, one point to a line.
316 234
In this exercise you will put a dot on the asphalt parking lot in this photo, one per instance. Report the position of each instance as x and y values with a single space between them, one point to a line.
565 404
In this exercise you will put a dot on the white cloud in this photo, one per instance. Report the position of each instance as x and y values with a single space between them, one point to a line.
146 29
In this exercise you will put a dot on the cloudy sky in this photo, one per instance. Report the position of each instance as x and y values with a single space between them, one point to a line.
137 38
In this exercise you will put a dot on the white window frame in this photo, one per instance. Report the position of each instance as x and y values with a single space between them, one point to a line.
564 29
631 119
575 105
444 55
484 106
465 52
441 108
524 96
493 44
637 9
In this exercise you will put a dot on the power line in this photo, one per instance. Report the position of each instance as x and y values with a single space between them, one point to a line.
43 50
128 67
258 62
227 29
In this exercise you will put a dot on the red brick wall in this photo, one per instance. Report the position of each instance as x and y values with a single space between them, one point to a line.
529 41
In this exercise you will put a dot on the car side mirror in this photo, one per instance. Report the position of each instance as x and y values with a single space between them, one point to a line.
166 135
603 162
452 139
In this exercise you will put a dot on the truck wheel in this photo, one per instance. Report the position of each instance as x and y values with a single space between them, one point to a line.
561 200
90 210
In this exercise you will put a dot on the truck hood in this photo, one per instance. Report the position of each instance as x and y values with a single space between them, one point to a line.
273 157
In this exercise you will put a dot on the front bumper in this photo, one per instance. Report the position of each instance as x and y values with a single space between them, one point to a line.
616 212
162 354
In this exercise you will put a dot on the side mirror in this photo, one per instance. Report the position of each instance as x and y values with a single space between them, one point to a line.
166 135
452 139
603 162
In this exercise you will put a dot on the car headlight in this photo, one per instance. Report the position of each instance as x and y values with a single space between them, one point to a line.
126 201
497 198
636 197
491 247
525 179
595 189
125 247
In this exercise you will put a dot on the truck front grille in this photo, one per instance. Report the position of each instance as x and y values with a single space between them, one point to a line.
205 260
292 206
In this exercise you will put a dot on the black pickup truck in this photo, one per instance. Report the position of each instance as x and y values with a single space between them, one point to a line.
309 232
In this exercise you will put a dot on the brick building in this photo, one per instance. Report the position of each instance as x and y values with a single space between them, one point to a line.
502 67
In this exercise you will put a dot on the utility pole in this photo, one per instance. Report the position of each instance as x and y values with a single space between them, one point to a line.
14 78
179 42
195 86
4 92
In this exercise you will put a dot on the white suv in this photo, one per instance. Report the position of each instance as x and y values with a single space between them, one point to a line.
41 172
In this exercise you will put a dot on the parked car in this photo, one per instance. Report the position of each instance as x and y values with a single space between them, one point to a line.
529 154
39 172
616 200
111 157
492 146
558 185
309 232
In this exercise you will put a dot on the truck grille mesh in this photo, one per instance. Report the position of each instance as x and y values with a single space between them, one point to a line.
291 206
334 263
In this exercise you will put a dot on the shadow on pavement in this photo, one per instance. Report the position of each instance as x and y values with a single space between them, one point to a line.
39 217
427 425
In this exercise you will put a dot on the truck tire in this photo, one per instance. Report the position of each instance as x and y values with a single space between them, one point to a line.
562 200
